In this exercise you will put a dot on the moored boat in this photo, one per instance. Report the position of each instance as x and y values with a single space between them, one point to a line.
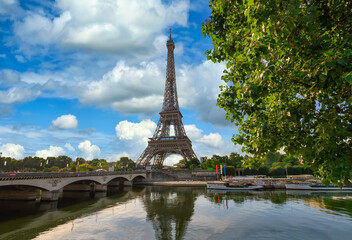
314 187
233 187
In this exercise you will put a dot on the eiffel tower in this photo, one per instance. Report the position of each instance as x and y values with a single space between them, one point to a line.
165 143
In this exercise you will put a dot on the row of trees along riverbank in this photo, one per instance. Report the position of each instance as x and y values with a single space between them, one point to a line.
274 164
62 164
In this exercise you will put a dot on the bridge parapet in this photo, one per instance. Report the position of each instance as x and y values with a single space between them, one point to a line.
45 175
54 182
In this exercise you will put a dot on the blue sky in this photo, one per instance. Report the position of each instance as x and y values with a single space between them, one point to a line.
86 78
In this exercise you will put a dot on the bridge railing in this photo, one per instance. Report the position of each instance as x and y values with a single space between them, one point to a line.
5 176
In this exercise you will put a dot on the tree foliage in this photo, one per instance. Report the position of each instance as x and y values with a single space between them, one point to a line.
288 78
190 164
125 163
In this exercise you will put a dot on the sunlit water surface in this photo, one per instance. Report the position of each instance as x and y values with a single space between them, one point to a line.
183 213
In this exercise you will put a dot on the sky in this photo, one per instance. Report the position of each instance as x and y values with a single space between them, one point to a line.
87 78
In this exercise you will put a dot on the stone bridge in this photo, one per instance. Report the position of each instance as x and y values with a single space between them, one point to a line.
24 186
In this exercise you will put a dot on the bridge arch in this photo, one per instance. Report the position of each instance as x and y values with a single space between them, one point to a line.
29 185
66 182
42 185
138 178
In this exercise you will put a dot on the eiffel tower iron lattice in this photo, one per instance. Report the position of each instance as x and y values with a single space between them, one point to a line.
162 144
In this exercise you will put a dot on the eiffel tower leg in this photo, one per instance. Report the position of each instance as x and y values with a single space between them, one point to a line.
159 160
145 158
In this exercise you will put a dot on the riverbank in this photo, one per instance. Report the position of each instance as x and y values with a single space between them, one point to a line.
177 183
267 183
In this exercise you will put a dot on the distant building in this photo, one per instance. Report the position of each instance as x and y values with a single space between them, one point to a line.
111 166
179 165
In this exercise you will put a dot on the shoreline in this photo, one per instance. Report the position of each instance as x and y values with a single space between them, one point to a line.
176 183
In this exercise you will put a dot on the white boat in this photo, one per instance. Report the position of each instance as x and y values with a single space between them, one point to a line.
230 188
314 187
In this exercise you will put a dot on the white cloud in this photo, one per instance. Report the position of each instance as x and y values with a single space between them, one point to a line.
69 147
193 132
53 151
209 144
140 89
18 95
172 159
7 5
199 89
212 139
104 25
35 138
9 77
139 132
65 122
129 89
12 150
88 151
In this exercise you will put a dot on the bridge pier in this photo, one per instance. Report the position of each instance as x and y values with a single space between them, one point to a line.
128 183
101 187
50 195
18 193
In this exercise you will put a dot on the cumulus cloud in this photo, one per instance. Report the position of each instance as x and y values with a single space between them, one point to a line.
129 89
104 25
139 132
69 147
18 95
88 151
212 139
199 90
210 144
12 150
134 138
65 122
172 159
140 89
9 77
53 151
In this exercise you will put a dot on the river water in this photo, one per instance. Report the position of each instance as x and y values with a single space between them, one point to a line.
183 213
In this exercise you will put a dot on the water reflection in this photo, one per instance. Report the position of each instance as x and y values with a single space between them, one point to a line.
168 207
24 220
335 202
182 213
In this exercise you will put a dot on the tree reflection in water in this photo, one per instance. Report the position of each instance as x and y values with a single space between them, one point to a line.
166 207
337 202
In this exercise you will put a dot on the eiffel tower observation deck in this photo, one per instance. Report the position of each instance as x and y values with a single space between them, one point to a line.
169 136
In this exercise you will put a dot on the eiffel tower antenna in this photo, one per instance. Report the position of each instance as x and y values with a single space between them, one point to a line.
164 141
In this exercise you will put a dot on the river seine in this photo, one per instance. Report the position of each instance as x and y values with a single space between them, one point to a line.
182 213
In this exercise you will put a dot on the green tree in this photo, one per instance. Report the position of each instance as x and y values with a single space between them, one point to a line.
288 79
33 163
125 163
235 160
271 159
190 164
